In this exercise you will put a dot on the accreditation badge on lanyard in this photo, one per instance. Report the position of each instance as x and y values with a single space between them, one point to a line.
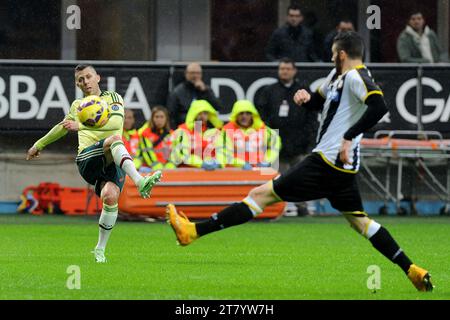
284 109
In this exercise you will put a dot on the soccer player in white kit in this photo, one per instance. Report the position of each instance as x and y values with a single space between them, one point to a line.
351 103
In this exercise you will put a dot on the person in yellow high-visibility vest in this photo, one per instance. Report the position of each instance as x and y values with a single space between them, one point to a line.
245 141
193 143
155 141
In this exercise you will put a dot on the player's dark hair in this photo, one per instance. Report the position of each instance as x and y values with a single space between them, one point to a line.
81 67
350 42
294 6
287 60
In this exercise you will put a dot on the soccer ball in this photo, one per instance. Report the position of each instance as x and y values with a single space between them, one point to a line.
93 112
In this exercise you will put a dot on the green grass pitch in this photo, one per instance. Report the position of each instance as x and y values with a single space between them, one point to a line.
292 258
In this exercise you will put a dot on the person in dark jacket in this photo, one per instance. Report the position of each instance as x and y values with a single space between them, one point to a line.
292 40
192 88
276 106
343 25
297 126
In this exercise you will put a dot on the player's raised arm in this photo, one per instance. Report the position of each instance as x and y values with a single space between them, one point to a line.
57 132
114 119
305 99
315 100
114 123
301 96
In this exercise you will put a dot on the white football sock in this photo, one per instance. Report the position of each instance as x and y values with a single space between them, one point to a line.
106 223
123 159
252 205
371 229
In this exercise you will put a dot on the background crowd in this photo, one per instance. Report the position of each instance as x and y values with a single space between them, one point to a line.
272 130
189 133
416 43
169 138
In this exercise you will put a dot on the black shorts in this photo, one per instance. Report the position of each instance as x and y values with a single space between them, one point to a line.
92 166
313 179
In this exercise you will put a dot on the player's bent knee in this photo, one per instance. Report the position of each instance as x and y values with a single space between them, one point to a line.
110 198
111 139
116 137
110 194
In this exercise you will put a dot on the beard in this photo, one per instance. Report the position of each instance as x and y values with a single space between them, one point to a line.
338 65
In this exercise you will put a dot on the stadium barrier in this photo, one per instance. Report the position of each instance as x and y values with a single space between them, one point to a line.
36 94
198 193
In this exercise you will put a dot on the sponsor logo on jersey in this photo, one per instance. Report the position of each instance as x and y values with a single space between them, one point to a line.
333 95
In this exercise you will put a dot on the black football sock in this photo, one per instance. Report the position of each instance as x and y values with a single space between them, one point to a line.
233 215
383 242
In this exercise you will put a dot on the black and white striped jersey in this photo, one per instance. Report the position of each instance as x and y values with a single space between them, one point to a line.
345 97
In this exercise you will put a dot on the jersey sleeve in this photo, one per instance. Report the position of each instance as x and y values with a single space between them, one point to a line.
115 102
117 108
362 85
72 115
323 88
115 98
58 131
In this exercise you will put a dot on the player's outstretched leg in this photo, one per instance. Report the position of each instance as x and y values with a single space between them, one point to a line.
123 159
236 214
110 196
382 240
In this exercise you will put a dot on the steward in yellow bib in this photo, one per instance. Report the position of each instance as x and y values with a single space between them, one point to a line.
193 143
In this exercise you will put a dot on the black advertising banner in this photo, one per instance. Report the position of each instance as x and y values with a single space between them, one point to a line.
34 96
237 82
399 85
141 88
436 100
37 97
400 97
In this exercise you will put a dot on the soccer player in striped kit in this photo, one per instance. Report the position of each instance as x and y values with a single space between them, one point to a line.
351 103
